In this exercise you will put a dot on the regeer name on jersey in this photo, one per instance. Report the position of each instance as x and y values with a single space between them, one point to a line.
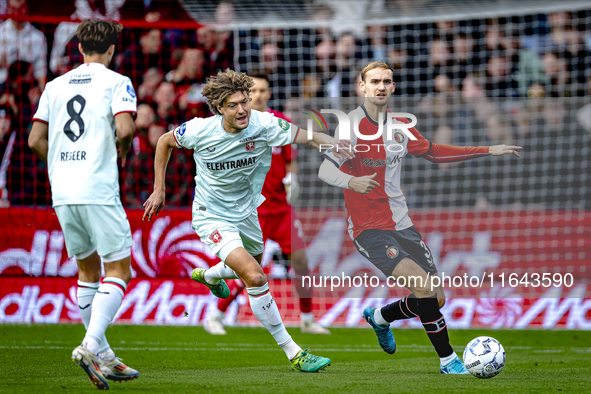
80 108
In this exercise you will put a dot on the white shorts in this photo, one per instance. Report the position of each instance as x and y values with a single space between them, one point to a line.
223 236
103 228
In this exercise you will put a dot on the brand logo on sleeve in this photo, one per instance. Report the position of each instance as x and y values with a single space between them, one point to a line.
211 150
283 124
131 91
182 129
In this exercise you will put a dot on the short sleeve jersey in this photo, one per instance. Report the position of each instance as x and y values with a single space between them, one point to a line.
80 108
231 168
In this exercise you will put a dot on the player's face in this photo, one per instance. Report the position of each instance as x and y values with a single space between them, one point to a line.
236 111
378 86
260 94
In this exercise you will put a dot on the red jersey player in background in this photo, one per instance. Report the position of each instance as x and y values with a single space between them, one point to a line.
379 224
277 220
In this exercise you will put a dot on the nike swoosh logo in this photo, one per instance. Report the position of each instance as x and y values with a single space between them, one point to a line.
103 292
83 307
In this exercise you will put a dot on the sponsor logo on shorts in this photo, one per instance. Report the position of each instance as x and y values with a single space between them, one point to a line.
250 146
392 252
215 237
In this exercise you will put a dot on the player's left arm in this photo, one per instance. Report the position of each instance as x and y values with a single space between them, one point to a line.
439 153
38 139
450 153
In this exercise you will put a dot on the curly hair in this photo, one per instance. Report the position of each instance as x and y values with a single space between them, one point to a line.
219 87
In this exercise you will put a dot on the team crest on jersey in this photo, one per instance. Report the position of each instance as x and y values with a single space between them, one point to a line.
392 252
215 237
399 137
250 146
283 124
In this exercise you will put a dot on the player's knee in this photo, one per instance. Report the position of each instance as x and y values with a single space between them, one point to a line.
255 279
441 301
423 292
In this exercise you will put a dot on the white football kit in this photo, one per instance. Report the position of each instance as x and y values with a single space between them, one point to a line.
79 108
230 174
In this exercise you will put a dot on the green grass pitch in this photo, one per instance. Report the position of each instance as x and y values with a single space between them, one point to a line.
36 359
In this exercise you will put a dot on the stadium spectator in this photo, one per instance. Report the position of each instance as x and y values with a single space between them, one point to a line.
463 56
529 118
59 61
23 91
190 70
20 41
137 59
139 170
154 10
558 78
500 82
167 110
151 80
145 118
7 140
377 42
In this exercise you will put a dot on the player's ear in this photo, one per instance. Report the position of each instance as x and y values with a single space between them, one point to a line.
394 84
362 85
111 50
80 49
268 94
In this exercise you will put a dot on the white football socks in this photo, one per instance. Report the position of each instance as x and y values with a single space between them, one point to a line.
306 317
378 318
448 359
85 295
105 304
264 308
219 271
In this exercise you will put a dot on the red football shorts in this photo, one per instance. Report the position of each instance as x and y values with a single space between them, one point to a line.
285 229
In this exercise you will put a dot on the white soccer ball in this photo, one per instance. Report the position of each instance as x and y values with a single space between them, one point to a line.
484 357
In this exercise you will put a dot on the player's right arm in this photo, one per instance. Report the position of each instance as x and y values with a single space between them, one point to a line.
331 173
125 130
155 202
38 138
184 136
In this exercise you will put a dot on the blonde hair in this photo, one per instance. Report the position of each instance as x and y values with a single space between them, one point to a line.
373 65
219 87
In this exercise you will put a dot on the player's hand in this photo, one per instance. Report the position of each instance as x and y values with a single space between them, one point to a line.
292 188
120 152
153 204
500 150
363 184
343 149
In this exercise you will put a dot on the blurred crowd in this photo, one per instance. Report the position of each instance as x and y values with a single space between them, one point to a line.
459 70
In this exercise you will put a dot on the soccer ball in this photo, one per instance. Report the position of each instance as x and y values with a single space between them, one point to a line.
484 357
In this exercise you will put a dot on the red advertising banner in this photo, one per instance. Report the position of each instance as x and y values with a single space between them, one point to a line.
37 279
184 302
